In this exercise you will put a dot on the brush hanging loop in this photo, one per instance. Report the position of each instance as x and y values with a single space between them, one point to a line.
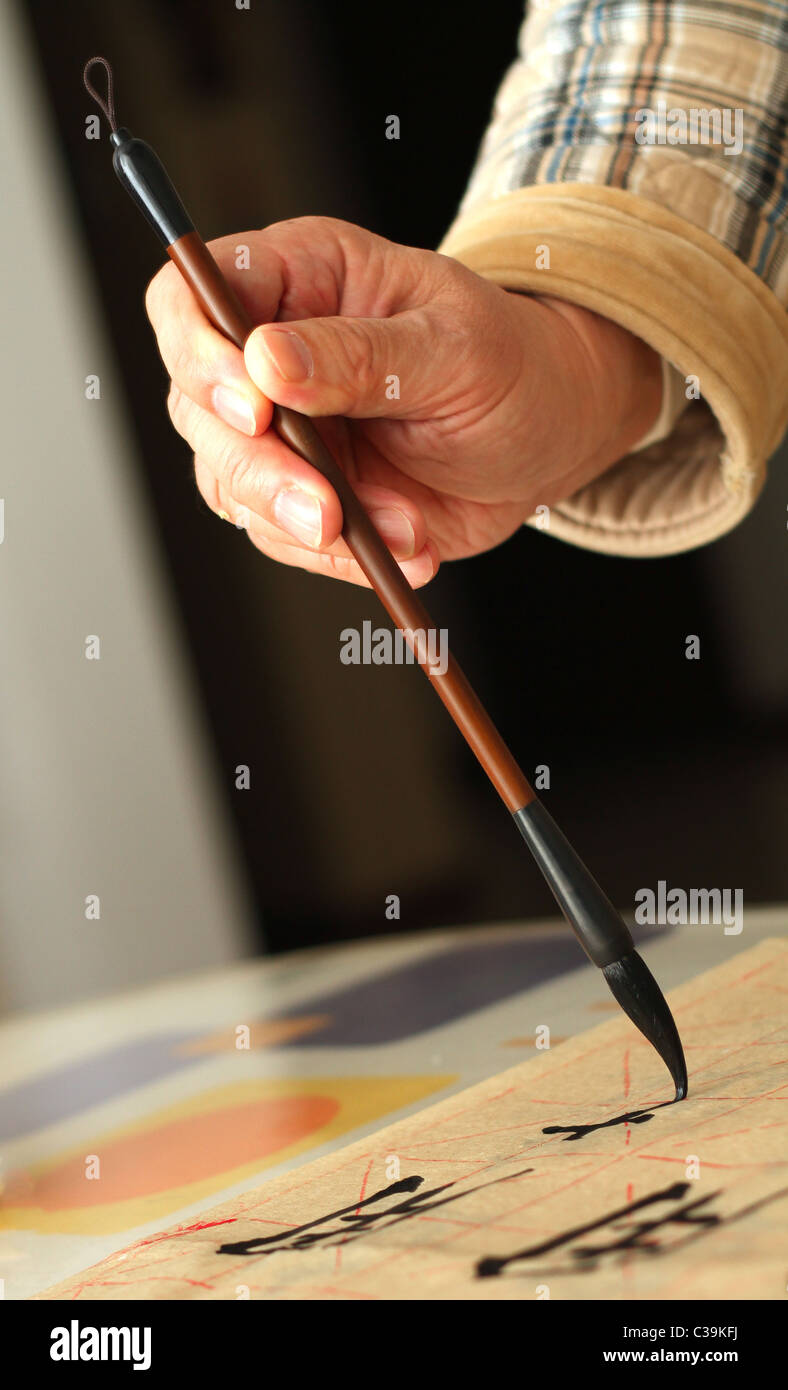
108 106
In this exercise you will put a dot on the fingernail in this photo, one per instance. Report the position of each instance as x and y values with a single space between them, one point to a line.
299 514
396 531
289 353
234 409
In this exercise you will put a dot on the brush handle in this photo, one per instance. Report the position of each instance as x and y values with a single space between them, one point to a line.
407 612
596 923
594 920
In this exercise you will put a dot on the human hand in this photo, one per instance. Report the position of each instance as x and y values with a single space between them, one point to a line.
463 406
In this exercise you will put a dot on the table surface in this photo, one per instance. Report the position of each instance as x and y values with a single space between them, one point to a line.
124 1114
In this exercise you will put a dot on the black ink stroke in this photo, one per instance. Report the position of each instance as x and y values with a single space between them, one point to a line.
361 1221
632 1117
639 1238
492 1266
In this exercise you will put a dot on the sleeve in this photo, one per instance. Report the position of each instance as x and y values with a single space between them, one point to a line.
636 163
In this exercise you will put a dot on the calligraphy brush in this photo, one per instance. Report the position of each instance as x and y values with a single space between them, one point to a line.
598 926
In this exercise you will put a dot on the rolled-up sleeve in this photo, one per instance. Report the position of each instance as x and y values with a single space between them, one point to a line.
636 163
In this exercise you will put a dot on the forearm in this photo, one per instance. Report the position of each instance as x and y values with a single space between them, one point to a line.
619 379
683 246
574 108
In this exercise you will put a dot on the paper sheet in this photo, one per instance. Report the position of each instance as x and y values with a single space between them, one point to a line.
568 1176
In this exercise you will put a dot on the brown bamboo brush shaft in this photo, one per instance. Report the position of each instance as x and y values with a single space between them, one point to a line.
597 925
407 612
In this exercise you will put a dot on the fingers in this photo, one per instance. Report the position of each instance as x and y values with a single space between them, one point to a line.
364 368
289 510
385 354
418 571
290 269
261 475
222 402
202 363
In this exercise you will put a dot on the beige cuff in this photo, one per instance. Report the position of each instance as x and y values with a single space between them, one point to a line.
696 304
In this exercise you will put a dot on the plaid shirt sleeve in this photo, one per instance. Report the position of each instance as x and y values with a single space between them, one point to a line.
637 163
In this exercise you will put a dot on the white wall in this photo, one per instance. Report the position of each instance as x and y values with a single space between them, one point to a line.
104 781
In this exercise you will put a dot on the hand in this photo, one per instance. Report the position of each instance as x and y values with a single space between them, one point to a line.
465 406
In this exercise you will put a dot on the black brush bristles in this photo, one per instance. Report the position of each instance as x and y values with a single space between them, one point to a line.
633 985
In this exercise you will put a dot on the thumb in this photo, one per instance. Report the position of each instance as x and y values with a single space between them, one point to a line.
361 368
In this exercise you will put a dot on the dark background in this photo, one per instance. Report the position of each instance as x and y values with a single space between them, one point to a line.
660 767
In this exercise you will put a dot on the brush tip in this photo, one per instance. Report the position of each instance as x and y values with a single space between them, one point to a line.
633 985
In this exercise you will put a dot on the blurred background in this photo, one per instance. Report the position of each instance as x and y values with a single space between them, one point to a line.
118 774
